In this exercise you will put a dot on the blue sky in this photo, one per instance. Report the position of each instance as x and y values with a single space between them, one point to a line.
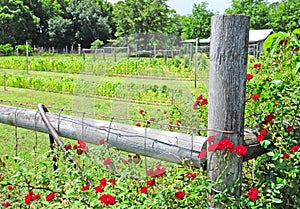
184 7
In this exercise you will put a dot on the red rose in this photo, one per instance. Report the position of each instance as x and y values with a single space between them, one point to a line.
257 65
143 112
202 154
102 141
225 144
27 201
138 125
82 145
212 147
67 147
260 138
29 197
6 204
204 102
103 182
50 196
152 119
150 172
165 112
255 96
159 172
197 101
290 128
190 175
107 161
285 155
107 199
253 193
263 132
144 190
37 197
151 183
112 182
210 138
269 118
9 187
98 188
240 150
79 151
295 148
86 187
179 195
249 77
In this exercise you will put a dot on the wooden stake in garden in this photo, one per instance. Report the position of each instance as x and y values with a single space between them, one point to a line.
27 62
227 84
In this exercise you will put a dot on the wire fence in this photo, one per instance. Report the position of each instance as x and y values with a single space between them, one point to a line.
137 165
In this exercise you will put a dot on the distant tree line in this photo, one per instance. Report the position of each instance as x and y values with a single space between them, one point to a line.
61 23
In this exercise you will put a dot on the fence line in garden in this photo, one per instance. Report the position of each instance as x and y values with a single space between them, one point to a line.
78 124
227 84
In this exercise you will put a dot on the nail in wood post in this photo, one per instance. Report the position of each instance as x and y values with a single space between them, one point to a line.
227 84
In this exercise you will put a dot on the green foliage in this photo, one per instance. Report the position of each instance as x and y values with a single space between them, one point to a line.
197 24
258 10
59 31
284 16
97 44
67 183
22 49
142 16
280 16
6 49
276 114
18 23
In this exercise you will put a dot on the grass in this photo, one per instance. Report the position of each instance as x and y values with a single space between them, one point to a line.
30 142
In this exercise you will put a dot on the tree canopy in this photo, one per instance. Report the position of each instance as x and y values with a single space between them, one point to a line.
131 16
285 15
17 22
197 24
258 10
62 23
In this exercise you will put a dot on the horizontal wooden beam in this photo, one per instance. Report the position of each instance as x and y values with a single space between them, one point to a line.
164 145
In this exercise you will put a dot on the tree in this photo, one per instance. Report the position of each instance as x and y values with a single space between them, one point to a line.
258 10
285 15
60 32
17 22
45 10
83 22
132 16
197 24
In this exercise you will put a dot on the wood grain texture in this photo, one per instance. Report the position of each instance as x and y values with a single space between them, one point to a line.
227 84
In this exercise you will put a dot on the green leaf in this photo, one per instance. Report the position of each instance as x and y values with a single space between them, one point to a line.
269 42
279 180
296 31
276 200
265 143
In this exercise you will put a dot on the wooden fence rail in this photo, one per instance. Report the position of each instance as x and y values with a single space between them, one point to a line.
164 145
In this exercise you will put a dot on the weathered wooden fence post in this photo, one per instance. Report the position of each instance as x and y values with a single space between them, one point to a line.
227 84
4 81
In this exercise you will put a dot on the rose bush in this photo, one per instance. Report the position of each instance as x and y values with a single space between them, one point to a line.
269 181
